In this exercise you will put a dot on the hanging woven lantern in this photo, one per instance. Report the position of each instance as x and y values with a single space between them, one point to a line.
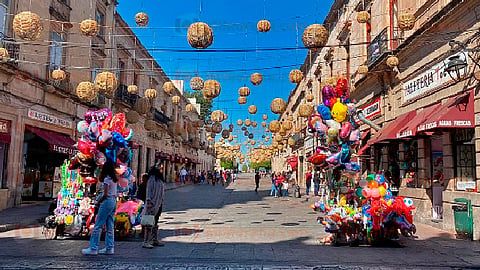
278 138
278 106
230 138
149 125
217 116
274 126
132 116
168 88
305 110
142 105
476 75
264 124
252 109
151 93
200 35
239 122
253 142
89 27
282 131
363 70
392 61
242 100
254 123
406 21
175 100
248 122
315 36
142 19
256 78
264 26
211 89
309 97
196 83
291 141
132 89
287 125
330 81
244 91
59 75
225 134
190 108
86 91
217 127
363 17
264 117
106 83
4 55
230 127
27 25
295 76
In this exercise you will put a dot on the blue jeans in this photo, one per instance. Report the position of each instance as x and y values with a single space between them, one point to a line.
273 191
104 217
316 188
285 193
307 190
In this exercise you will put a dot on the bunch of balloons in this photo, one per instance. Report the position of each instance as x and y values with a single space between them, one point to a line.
69 196
104 138
336 127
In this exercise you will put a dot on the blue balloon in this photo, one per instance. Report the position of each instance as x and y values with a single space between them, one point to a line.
345 153
388 195
324 111
111 154
118 140
352 166
380 178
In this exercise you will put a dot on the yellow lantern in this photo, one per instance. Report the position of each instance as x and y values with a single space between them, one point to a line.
315 36
211 89
244 91
142 19
248 122
132 116
132 89
256 78
363 17
406 21
264 124
168 87
89 28
196 83
239 122
27 25
217 116
305 110
142 105
242 100
252 109
59 75
4 55
265 117
278 106
200 35
287 125
175 100
291 141
190 108
264 26
86 91
363 70
274 126
392 61
309 97
151 93
106 83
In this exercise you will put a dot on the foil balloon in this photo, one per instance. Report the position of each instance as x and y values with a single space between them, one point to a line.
103 117
88 116
345 153
118 140
333 159
333 124
85 148
332 137
123 182
327 94
363 183
354 136
82 127
339 111
345 131
93 131
367 193
324 111
320 127
352 166
317 159
124 155
127 134
375 193
118 123
106 138
379 178
100 158
342 87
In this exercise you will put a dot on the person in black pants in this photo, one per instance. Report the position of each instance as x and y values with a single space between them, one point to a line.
257 181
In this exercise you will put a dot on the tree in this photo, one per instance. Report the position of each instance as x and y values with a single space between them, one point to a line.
265 164
227 164
205 104
244 168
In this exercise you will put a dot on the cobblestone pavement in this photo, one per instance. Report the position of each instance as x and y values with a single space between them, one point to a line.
212 227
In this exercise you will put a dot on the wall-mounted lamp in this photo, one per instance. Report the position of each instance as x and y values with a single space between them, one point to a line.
456 65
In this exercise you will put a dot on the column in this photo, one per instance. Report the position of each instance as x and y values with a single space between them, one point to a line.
477 137
423 165
448 162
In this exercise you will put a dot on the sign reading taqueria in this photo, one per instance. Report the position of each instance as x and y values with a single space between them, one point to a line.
47 118
432 78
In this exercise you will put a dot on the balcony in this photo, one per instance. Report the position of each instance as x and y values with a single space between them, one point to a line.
159 117
12 47
60 9
64 85
378 47
123 96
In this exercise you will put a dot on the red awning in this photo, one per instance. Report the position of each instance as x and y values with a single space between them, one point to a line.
457 112
293 162
410 128
58 142
365 134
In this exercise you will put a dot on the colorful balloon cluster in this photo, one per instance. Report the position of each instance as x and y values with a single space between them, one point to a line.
104 138
69 196
336 127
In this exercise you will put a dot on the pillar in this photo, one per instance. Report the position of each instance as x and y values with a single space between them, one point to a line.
423 166
448 161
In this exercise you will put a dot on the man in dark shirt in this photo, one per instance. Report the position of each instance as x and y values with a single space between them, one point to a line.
257 181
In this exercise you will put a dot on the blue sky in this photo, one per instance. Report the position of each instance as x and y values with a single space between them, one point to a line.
234 27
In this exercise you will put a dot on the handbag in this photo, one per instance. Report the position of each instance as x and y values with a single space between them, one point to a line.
147 220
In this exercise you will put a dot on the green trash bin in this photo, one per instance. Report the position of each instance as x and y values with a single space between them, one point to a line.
463 213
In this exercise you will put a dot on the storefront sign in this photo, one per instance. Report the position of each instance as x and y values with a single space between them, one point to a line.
63 150
372 109
464 185
434 77
4 126
47 118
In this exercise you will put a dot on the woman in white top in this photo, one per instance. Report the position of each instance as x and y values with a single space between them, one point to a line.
107 204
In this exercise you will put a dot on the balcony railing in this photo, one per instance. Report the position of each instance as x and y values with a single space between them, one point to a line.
378 47
12 47
122 95
159 117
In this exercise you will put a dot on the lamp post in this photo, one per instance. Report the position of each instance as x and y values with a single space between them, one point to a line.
456 64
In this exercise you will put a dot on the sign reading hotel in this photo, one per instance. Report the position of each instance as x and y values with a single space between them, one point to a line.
47 118
432 78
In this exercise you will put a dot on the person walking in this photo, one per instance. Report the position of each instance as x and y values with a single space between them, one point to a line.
183 175
316 181
273 190
106 204
308 181
154 205
257 181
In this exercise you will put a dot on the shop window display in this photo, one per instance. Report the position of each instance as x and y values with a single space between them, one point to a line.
464 159
409 164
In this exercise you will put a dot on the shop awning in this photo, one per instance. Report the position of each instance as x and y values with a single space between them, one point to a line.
457 112
365 134
59 143
410 128
293 162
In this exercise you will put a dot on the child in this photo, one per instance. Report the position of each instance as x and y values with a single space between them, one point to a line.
285 188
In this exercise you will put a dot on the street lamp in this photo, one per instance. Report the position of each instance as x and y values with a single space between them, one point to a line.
455 63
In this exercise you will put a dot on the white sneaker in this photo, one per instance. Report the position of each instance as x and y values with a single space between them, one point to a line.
89 251
106 251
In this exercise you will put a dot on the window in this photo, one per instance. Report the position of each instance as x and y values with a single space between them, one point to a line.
56 51
147 163
3 164
121 68
3 15
100 18
464 150
95 70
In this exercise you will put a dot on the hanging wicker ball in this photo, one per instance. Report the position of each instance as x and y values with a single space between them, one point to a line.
142 105
248 122
291 141
476 75
330 81
200 35
305 110
363 70
59 75
296 76
86 91
242 100
363 17
406 21
142 19
217 127
274 126
278 138
230 127
253 142
287 125
392 61
132 89
225 133
168 87
230 138
190 108
211 89
106 83
244 91
151 93
309 97
264 26
239 122
175 100
282 131
132 117
264 124
252 109
89 27
196 83
217 116
254 123
149 125
4 55
278 106
27 25
315 36
256 78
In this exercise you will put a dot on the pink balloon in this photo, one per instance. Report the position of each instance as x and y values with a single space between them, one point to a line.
367 192
123 182
375 193
345 131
